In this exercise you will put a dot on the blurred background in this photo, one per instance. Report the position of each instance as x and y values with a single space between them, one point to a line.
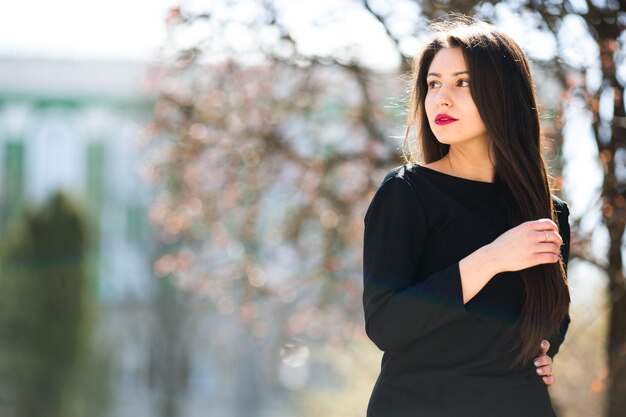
183 186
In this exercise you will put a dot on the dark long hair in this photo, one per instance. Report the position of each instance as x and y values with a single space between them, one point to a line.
502 89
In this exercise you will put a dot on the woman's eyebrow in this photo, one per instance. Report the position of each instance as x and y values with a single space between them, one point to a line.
454 74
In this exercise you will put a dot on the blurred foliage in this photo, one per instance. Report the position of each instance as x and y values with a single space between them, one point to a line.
46 313
264 173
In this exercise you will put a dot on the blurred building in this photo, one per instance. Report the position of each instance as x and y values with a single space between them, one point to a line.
72 126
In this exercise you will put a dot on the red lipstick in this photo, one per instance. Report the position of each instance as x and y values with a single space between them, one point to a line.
444 119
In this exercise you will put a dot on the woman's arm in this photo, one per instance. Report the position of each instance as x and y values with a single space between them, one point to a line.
476 270
398 309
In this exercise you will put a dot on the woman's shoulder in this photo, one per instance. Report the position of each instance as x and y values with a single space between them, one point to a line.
408 173
396 172
397 196
395 182
396 188
404 178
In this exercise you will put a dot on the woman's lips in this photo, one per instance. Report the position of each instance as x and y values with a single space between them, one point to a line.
444 120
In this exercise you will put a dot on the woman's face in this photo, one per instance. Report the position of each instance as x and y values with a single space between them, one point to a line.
449 94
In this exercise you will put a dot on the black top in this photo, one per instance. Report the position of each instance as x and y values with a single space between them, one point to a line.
443 358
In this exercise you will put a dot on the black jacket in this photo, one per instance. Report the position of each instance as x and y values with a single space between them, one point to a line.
441 357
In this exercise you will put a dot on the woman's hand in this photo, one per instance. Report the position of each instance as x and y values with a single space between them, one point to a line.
528 244
544 364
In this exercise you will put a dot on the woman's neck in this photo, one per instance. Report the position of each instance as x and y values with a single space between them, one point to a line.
475 168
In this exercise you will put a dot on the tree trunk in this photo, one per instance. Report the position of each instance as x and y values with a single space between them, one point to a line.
614 210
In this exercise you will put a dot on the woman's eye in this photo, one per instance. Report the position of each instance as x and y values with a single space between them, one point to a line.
461 83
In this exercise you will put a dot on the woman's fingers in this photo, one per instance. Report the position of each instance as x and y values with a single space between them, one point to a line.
548 248
543 358
544 364
545 370
546 373
548 236
545 258
546 231
544 224
531 243
546 253
549 380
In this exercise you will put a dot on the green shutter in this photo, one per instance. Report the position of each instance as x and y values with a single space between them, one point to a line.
13 181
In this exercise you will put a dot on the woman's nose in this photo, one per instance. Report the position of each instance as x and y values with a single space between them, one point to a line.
443 96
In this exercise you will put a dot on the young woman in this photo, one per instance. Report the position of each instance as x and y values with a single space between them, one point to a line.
465 253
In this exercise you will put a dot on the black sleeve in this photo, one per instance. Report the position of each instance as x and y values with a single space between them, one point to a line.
399 306
564 230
